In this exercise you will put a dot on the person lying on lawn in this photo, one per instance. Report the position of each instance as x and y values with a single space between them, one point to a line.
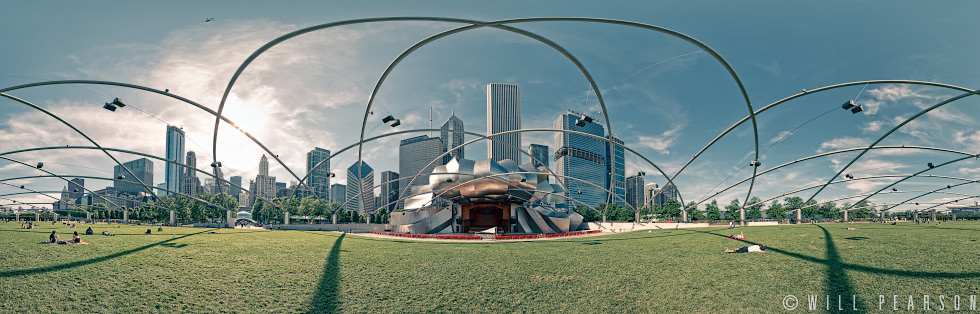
747 249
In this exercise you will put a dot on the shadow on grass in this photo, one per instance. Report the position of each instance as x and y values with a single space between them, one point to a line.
34 271
837 281
326 298
842 265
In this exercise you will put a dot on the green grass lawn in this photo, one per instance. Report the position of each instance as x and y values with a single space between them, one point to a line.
188 270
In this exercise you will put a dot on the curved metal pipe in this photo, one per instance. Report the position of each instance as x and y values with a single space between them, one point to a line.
850 180
216 178
936 190
495 24
174 96
924 111
828 154
489 176
148 189
821 89
805 92
50 173
115 197
917 173
488 137
850 208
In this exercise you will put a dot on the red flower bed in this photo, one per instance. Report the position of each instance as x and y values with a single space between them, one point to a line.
548 235
499 237
431 236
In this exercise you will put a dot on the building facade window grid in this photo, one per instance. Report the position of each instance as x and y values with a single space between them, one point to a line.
503 114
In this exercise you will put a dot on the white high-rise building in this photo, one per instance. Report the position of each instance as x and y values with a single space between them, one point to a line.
413 156
452 141
265 185
360 188
503 114
175 152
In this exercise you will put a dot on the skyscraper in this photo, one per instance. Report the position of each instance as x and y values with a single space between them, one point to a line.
540 152
264 166
280 187
667 192
233 189
142 168
503 114
191 165
389 190
413 155
581 157
649 192
451 141
616 165
76 188
175 152
318 179
634 191
265 185
360 184
190 184
338 193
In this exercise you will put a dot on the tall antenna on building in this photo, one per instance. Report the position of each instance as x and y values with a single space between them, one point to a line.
430 120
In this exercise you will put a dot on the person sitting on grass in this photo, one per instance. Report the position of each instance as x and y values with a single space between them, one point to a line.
747 249
159 229
147 231
53 238
77 240
738 236
89 231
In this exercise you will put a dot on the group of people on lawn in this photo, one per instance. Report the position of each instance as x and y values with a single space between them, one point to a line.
54 238
75 239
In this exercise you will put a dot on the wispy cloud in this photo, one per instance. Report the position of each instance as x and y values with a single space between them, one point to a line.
842 143
663 142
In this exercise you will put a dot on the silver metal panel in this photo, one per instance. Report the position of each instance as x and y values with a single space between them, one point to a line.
418 201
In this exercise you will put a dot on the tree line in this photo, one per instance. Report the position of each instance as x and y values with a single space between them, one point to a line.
672 210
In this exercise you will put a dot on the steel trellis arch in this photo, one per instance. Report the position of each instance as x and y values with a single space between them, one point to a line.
828 154
139 154
689 39
168 94
145 187
50 173
851 180
924 111
481 136
807 92
114 197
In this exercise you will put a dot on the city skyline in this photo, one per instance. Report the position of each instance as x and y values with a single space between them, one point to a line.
652 86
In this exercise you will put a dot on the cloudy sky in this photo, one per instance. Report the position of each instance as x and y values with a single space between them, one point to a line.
666 97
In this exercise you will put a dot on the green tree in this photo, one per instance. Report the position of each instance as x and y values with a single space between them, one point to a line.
776 210
672 208
731 210
588 213
830 210
692 211
754 209
793 203
711 211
